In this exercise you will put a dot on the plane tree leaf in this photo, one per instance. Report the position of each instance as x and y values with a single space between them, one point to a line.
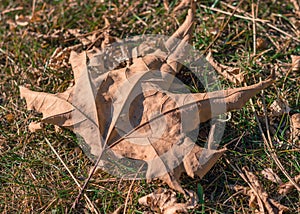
128 106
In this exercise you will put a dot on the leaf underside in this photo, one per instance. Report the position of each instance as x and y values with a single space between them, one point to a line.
132 113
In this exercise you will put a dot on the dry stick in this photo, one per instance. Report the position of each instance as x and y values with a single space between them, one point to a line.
91 206
245 178
222 28
131 185
231 14
269 144
259 20
44 210
33 8
254 28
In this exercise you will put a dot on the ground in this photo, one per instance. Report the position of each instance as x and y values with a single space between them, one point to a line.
33 179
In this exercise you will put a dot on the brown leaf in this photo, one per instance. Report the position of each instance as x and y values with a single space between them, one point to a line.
287 187
35 126
295 126
84 40
10 118
128 111
295 63
163 201
232 74
269 174
261 43
279 107
259 196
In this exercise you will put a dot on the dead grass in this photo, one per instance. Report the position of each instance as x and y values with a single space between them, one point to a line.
33 180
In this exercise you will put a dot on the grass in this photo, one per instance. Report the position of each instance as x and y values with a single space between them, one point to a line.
33 180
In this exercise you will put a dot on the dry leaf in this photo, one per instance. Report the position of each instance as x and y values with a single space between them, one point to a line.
295 63
83 39
295 126
232 74
163 201
10 118
279 107
35 126
12 24
269 174
258 196
115 123
287 187
261 43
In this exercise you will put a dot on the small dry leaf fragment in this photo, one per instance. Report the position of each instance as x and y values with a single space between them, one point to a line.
295 63
35 126
269 174
258 196
22 20
286 188
76 32
295 127
261 43
232 74
296 120
10 118
163 201
279 107
12 24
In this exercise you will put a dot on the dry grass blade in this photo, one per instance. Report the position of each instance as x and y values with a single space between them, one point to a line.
182 5
90 204
232 14
263 22
296 6
269 145
222 28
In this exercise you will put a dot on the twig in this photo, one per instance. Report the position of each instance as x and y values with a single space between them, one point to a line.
91 206
267 22
245 178
283 32
268 143
222 28
254 27
33 8
234 15
129 190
